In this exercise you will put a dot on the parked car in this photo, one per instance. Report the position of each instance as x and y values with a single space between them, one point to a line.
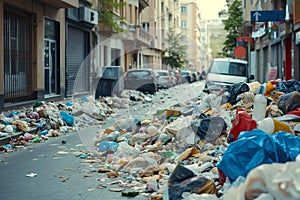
177 76
144 80
164 79
224 72
173 78
202 76
186 76
194 77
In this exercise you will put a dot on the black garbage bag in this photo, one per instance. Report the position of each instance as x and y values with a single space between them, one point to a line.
209 128
289 102
232 93
288 86
184 180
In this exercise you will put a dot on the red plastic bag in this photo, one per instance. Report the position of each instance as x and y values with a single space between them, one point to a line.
242 122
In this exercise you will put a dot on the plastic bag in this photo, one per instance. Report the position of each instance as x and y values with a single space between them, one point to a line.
242 122
290 143
141 163
289 102
234 91
269 181
184 180
126 151
68 118
288 86
209 128
252 149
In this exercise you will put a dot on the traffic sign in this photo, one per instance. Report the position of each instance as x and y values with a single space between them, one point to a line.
267 15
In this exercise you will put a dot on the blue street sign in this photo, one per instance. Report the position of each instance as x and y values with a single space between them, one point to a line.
267 15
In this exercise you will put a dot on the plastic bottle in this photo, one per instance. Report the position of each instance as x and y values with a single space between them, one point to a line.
260 105
44 132
108 145
113 136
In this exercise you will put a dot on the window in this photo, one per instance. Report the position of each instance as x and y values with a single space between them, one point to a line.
146 26
17 54
183 10
229 68
183 24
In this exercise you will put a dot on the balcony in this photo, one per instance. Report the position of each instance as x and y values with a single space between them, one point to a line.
62 3
143 36
143 4
135 35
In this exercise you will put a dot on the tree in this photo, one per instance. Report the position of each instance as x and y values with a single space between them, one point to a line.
232 25
106 15
176 51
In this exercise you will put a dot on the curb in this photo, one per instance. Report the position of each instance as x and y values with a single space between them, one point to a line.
5 140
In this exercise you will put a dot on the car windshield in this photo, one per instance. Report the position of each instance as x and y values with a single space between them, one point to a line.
138 74
184 73
228 68
162 73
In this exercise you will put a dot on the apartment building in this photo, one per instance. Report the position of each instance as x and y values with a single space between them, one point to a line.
124 48
158 19
191 31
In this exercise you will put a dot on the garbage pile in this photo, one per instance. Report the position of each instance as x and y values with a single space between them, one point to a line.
201 151
49 119
229 142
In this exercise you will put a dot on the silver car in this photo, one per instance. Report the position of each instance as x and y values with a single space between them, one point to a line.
144 80
164 79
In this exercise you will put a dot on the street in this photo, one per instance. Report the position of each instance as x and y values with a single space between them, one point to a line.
57 170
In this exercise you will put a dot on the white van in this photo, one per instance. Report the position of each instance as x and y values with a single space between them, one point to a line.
224 72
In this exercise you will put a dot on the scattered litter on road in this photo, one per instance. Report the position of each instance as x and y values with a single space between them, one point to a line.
31 175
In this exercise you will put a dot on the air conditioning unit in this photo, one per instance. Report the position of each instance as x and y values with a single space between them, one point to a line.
88 15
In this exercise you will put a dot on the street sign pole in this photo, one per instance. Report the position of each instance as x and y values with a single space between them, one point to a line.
249 57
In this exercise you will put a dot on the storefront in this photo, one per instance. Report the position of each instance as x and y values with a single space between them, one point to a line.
78 46
32 50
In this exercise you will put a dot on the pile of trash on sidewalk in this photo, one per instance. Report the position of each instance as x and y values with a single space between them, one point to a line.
241 142
51 119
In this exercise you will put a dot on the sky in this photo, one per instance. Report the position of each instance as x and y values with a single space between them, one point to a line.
210 8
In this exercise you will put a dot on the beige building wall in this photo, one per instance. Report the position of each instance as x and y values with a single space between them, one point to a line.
151 21
191 30
249 5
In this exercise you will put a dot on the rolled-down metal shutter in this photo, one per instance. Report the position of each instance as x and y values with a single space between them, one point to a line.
77 70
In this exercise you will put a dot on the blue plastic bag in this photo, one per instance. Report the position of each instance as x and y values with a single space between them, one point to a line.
252 149
69 119
290 143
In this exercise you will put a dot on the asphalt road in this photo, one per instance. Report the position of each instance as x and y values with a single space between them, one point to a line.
58 175
60 172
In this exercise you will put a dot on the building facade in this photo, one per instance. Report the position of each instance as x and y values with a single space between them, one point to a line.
191 31
32 51
56 49
276 43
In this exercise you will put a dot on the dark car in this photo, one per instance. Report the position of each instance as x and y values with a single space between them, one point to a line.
186 76
144 80
202 76
194 77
